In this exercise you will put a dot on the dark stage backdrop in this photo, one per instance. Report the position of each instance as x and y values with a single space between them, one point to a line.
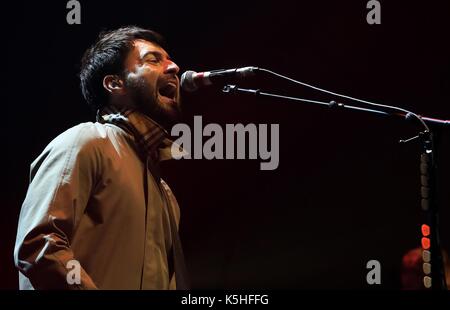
345 191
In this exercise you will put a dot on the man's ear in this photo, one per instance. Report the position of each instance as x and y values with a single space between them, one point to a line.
113 84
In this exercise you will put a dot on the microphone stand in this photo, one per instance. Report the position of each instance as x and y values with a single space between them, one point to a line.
433 267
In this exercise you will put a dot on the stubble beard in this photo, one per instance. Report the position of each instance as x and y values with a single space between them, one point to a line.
145 99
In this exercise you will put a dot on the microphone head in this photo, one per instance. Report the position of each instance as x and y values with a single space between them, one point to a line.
187 81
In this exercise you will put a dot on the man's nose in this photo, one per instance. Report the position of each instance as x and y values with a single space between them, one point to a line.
172 67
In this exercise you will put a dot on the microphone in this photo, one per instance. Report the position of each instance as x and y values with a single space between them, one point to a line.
191 80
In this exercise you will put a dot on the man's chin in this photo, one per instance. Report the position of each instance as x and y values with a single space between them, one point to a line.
166 114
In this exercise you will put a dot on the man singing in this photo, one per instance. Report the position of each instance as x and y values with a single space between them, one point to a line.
96 203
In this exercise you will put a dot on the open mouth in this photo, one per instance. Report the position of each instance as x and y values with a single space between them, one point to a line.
169 91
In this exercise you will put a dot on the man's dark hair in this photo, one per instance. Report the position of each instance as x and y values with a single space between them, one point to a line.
107 56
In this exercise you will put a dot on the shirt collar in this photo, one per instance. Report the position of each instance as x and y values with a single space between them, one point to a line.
152 139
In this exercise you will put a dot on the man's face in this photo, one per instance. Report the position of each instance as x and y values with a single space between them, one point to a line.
152 83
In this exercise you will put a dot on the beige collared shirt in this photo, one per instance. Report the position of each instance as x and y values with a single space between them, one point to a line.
85 202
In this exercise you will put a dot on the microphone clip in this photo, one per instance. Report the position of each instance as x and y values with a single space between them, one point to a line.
232 89
229 89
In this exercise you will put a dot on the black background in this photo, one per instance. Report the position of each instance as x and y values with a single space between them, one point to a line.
345 191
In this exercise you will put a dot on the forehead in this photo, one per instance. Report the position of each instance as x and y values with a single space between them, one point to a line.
142 47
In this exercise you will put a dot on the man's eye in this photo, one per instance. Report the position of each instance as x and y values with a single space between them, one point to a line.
153 60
